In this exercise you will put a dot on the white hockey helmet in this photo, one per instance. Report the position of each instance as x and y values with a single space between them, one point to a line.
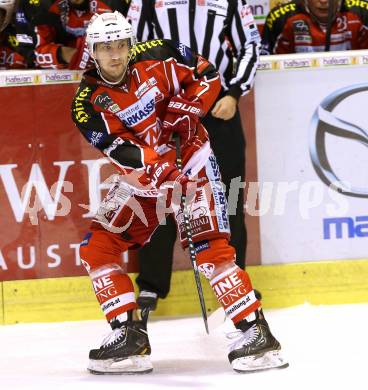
8 6
106 27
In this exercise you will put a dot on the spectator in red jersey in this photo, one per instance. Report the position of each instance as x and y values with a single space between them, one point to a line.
60 41
17 18
7 52
303 26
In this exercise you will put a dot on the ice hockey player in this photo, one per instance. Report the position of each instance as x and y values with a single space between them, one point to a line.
129 107
301 26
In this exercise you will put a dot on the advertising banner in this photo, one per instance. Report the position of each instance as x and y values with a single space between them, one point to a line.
261 8
49 177
312 156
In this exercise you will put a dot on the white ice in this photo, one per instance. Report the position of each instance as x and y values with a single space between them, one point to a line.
326 347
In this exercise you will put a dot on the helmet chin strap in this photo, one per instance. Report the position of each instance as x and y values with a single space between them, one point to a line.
315 19
105 79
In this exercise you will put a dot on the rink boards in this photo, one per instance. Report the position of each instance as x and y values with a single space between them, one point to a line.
72 298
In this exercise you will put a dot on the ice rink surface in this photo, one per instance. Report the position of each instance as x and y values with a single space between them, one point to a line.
326 347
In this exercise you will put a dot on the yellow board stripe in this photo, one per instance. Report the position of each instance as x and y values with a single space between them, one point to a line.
72 298
1 304
318 283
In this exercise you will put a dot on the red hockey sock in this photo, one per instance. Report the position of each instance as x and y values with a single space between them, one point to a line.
233 289
114 290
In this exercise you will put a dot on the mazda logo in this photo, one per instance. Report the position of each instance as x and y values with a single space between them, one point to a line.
324 122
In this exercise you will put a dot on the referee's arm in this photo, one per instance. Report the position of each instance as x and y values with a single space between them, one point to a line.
242 31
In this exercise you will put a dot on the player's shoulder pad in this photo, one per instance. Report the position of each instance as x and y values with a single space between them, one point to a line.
161 49
359 7
279 14
82 107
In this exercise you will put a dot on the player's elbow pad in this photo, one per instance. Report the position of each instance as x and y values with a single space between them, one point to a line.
125 153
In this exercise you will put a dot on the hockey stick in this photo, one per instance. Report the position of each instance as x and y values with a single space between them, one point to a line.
188 231
330 20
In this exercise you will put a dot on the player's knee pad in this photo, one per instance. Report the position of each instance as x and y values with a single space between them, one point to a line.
100 247
216 251
114 290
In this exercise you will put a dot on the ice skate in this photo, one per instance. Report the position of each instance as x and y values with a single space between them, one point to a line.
254 348
125 350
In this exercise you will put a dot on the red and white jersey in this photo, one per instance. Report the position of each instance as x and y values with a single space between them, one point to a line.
289 28
301 34
10 55
124 122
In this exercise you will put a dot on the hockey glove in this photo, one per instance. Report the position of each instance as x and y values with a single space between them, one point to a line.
182 117
81 59
165 175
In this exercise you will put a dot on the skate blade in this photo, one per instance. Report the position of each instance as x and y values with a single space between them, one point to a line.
139 364
267 361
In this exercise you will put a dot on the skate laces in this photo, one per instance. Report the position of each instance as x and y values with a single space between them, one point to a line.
113 336
242 339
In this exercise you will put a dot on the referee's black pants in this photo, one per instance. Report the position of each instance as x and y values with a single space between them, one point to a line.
156 257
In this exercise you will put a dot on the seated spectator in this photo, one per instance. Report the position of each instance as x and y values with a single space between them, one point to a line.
303 26
60 40
16 33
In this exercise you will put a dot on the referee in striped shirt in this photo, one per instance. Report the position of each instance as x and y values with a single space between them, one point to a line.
225 33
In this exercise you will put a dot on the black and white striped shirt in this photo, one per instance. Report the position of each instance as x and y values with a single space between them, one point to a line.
223 31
